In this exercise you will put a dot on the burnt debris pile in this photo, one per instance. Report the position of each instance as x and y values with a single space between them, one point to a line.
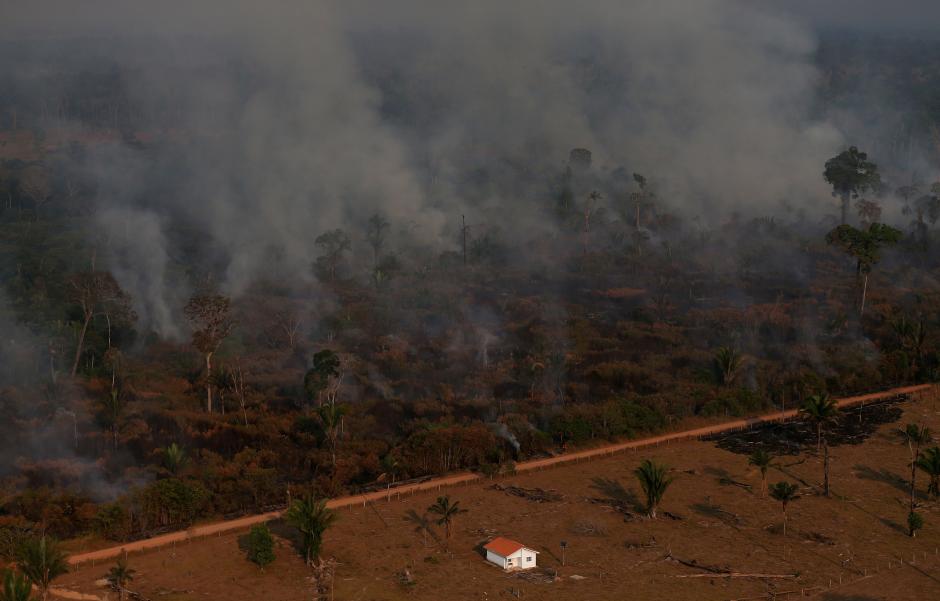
852 426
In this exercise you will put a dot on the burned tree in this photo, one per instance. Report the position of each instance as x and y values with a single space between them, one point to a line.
210 315
375 234
97 292
333 243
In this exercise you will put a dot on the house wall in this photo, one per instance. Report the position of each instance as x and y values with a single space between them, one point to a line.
497 559
524 559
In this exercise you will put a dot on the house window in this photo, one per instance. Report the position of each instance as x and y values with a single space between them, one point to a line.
529 558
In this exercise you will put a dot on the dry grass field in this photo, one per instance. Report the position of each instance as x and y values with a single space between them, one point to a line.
720 520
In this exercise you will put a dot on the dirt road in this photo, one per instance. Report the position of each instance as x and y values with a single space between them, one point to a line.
461 478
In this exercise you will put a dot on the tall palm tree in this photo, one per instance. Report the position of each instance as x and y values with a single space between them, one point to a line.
42 560
120 575
15 587
786 494
174 458
929 462
446 510
331 414
915 436
112 408
725 365
312 518
762 460
654 482
819 409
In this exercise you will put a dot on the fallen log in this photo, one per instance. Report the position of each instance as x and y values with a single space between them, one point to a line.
735 575
730 482
691 563
538 495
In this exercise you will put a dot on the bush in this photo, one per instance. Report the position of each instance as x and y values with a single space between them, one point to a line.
734 403
111 522
172 502
914 523
260 545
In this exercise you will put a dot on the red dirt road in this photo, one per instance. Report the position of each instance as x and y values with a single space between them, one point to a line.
461 478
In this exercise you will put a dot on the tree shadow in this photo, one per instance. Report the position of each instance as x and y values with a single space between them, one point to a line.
893 525
616 493
882 475
710 510
718 472
423 525
282 529
725 478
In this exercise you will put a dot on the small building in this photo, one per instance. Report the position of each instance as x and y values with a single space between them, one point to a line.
509 554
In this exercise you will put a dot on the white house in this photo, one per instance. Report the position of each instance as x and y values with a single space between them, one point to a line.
510 555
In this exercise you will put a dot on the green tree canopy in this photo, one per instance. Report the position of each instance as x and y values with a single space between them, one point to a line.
851 173
864 245
311 518
260 545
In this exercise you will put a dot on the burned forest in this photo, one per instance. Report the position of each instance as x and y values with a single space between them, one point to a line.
253 258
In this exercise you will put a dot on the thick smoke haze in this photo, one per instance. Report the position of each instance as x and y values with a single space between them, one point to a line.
277 121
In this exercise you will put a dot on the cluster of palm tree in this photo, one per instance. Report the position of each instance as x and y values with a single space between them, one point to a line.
821 410
784 492
40 560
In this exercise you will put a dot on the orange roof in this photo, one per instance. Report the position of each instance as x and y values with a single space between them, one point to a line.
504 546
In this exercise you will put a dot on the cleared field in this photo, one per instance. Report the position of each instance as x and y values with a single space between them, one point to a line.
857 537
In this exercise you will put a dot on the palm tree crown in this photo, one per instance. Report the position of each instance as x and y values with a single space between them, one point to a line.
786 494
16 587
174 458
312 518
916 436
120 575
725 365
654 482
42 560
929 463
762 460
819 409
447 510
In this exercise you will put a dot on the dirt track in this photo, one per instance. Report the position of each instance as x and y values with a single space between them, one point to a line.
461 478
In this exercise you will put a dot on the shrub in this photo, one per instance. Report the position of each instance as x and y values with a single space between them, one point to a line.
914 523
172 501
111 522
260 545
